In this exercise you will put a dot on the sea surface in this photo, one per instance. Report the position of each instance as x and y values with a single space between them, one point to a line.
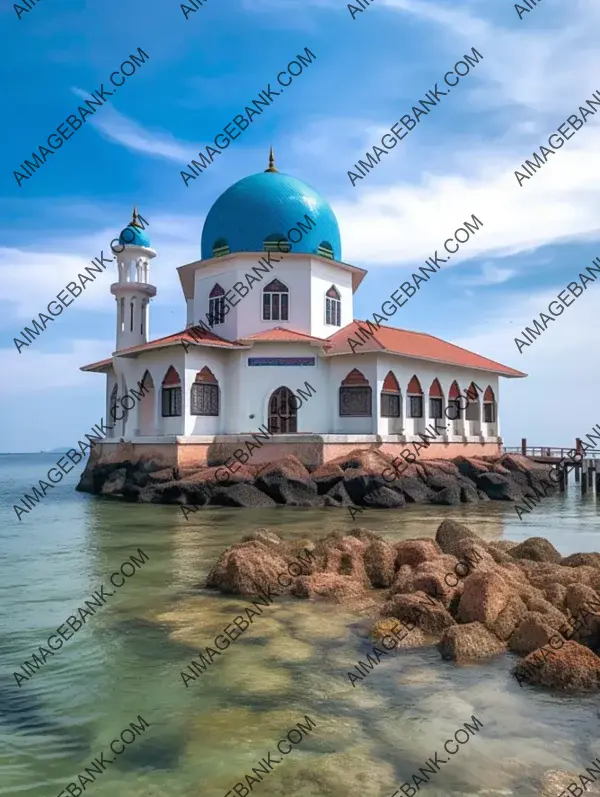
200 740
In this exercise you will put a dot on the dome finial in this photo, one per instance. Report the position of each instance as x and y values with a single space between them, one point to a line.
271 160
134 221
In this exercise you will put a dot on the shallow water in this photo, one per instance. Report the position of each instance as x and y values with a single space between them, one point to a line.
292 662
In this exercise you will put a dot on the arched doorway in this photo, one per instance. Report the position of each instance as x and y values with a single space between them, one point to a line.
283 412
146 407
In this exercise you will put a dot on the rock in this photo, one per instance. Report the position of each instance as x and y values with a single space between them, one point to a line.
115 483
468 642
338 496
498 488
413 552
450 533
468 494
331 586
556 594
358 483
533 632
579 559
166 493
247 569
509 618
326 476
380 563
421 610
471 467
503 545
286 481
484 597
580 596
413 490
536 549
244 495
266 537
161 476
383 498
572 668
195 492
437 479
449 496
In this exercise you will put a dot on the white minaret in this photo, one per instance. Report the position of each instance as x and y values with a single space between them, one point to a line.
133 291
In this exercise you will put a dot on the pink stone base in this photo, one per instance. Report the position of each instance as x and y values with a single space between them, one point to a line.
188 456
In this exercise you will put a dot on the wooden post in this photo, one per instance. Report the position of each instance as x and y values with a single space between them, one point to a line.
524 446
590 471
584 481
597 480
562 479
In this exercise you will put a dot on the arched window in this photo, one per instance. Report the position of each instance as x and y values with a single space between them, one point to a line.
131 316
454 402
205 394
472 408
415 398
355 395
171 394
390 397
436 401
333 307
276 242
275 302
325 249
489 406
220 248
122 314
216 306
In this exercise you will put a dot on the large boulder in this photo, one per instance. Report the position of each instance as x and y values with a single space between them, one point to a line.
358 482
337 496
413 490
448 496
248 569
450 533
427 613
330 586
498 487
383 498
533 632
380 559
579 559
468 642
484 597
509 618
327 476
572 668
286 481
536 549
115 483
241 495
413 552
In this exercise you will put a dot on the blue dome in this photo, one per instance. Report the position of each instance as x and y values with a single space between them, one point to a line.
265 206
134 236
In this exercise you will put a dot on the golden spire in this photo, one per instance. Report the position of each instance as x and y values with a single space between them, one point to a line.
134 221
271 160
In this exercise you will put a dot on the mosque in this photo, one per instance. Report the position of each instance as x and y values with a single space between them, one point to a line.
278 302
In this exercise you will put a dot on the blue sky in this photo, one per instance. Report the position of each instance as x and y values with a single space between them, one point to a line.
368 72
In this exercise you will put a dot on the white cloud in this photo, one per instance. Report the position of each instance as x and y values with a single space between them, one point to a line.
489 274
122 130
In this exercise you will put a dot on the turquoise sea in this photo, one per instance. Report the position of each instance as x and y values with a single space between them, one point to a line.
201 740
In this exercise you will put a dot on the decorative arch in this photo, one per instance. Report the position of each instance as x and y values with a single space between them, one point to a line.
171 394
333 307
391 397
455 407
489 406
472 412
414 392
355 395
436 400
204 393
276 242
276 301
325 249
216 305
220 247
283 412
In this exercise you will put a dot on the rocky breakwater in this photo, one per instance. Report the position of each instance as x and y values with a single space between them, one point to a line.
471 598
363 478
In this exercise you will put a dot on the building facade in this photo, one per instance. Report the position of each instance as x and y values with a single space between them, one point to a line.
271 345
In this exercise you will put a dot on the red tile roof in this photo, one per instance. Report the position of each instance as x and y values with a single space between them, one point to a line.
388 339
280 334
412 344
202 338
